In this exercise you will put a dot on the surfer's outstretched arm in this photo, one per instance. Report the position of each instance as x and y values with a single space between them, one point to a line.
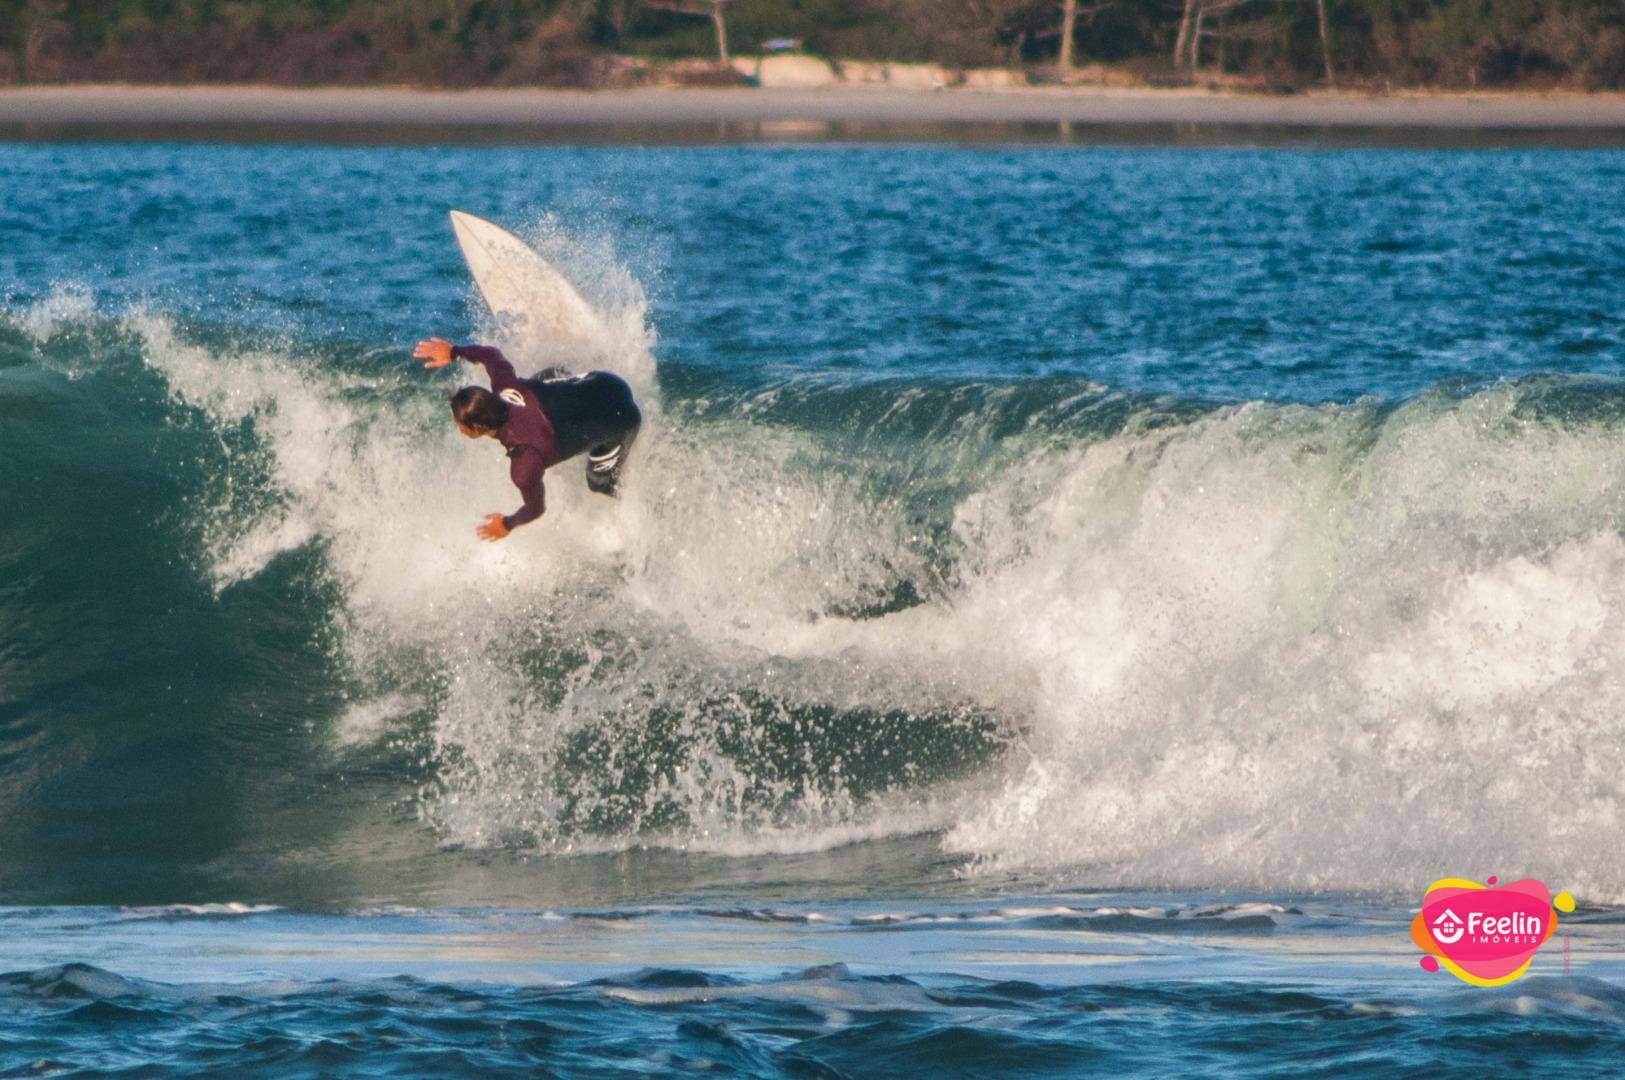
488 357
526 472
438 352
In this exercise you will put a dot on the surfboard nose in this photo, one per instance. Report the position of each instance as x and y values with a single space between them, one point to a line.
463 223
522 287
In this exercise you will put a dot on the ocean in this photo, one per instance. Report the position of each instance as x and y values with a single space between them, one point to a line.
1066 605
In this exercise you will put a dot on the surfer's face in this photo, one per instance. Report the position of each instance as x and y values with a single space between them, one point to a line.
466 430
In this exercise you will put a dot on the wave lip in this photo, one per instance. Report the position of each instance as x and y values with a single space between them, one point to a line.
220 910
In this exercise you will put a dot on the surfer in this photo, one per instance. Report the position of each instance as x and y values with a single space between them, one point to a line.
541 422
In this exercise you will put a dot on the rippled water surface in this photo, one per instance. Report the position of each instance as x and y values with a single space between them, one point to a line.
1051 987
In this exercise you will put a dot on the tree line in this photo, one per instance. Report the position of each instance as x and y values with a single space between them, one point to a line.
1284 44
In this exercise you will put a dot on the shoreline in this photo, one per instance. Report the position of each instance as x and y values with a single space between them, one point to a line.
114 106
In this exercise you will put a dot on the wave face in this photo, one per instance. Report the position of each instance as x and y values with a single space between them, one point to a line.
1075 628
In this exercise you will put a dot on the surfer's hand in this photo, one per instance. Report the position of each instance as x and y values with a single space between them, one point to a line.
492 528
434 352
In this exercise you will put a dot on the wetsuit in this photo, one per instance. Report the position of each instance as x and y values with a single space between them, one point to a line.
553 420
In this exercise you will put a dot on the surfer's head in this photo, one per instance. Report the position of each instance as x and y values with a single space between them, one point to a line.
478 411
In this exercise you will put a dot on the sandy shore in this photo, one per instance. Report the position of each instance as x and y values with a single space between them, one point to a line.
228 105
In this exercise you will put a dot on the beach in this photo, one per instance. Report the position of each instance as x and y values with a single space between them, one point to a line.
205 106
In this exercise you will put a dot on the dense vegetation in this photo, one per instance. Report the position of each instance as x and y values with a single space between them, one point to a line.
1282 43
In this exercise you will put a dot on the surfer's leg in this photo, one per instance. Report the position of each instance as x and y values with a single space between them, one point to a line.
607 460
615 429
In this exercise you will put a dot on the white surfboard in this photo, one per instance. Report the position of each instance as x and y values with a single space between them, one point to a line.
524 291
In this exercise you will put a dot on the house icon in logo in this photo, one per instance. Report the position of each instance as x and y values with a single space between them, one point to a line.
1448 927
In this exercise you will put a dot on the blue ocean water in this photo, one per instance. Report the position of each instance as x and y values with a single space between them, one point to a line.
1066 606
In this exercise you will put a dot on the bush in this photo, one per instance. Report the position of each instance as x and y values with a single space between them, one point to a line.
1604 68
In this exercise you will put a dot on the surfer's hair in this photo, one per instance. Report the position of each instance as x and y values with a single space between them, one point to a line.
476 407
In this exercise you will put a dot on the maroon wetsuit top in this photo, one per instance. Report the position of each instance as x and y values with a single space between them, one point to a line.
528 434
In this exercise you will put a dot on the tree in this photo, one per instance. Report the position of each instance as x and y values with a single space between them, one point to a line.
618 13
1182 42
971 33
1326 43
1069 23
711 9
45 26
1194 27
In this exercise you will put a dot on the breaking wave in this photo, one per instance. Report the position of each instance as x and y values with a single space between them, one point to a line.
1078 632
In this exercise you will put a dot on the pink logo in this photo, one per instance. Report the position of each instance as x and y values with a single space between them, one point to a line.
1485 934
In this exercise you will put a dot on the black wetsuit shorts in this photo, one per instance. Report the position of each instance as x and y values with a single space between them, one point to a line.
592 414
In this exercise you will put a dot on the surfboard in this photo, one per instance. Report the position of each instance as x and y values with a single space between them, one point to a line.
523 289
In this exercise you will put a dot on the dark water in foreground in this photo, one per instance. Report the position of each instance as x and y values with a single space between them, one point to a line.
1069 603
1058 987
